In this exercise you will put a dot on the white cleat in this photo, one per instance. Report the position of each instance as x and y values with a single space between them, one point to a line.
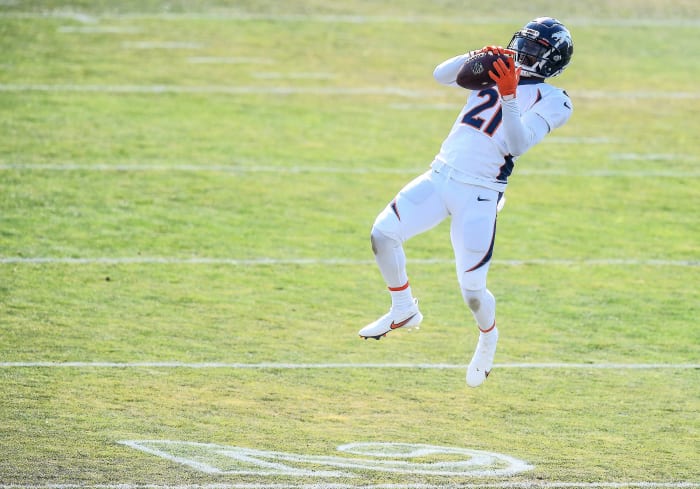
482 361
407 320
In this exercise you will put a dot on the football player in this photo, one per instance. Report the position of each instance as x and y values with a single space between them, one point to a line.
469 175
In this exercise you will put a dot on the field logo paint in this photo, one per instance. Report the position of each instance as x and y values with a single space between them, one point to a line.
385 457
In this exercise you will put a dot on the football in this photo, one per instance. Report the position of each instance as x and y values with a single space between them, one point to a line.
474 74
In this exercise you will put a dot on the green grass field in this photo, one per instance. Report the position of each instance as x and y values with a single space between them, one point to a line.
186 194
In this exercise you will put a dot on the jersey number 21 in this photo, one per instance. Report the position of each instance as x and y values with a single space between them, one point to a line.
472 117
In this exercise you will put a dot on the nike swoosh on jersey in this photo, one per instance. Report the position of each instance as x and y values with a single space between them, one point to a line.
481 199
402 323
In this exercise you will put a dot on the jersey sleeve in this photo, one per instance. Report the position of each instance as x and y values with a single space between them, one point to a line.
521 133
446 72
555 108
551 110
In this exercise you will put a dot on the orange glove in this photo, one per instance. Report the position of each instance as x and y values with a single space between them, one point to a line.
506 76
495 50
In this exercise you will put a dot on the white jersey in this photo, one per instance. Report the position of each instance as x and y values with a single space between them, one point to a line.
478 148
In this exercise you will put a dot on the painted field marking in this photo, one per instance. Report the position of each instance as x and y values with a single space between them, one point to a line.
228 60
161 45
346 366
654 157
293 76
246 168
632 95
336 485
579 140
385 457
97 29
602 173
214 89
153 260
51 14
222 15
321 90
436 106
137 167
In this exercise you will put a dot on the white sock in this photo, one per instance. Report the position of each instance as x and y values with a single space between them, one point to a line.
489 330
401 297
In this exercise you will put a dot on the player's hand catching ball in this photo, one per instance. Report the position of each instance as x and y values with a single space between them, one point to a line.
496 50
506 76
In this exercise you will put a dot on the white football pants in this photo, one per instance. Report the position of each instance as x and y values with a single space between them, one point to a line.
424 203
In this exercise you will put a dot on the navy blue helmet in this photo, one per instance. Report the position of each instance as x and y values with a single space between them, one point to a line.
543 47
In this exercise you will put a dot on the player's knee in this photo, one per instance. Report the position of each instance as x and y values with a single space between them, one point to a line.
473 298
381 241
478 299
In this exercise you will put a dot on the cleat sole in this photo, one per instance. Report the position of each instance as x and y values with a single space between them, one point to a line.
383 335
379 337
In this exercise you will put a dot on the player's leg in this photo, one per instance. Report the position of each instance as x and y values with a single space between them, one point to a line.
473 233
483 306
417 208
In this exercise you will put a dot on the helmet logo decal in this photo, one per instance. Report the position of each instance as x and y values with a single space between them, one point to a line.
561 37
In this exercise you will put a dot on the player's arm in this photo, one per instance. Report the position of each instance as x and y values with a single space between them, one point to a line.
446 72
521 133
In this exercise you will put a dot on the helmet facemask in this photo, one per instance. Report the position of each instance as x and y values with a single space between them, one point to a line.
530 55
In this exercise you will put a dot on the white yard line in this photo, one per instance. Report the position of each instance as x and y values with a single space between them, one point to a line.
52 14
249 262
97 29
347 366
320 90
229 60
162 45
293 76
336 485
654 157
223 15
136 167
215 89
253 168
602 173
